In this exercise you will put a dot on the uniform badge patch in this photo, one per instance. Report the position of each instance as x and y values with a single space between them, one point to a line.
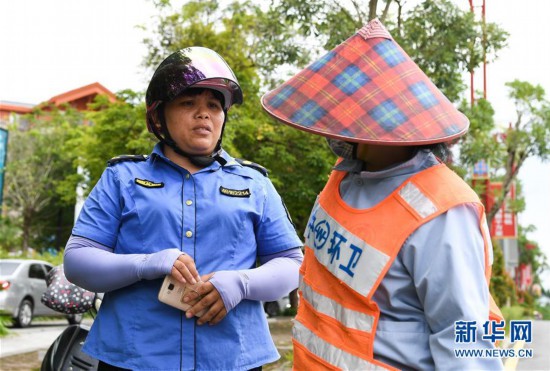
235 192
148 183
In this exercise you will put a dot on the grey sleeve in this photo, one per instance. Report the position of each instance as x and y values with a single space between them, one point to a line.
447 260
97 268
276 277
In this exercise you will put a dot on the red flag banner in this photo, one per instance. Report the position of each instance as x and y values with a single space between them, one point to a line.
504 224
524 277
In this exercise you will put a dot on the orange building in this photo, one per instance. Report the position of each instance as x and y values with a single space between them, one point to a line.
9 108
13 113
78 98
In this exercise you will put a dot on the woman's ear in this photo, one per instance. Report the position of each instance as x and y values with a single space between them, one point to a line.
156 120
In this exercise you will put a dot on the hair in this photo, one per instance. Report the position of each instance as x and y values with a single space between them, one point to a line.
198 91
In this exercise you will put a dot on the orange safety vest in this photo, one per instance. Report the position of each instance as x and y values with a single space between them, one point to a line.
347 253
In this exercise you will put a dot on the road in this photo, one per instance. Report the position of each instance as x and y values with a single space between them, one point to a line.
39 336
36 337
541 349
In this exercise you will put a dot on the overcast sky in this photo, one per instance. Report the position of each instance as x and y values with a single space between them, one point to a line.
51 46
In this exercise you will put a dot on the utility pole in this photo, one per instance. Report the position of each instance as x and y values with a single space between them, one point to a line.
483 41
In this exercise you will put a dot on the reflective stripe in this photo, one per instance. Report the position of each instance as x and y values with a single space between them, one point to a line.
417 200
345 255
328 352
348 317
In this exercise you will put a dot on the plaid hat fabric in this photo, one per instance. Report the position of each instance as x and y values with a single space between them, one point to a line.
367 90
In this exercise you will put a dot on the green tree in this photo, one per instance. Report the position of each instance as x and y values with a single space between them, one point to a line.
442 39
527 136
447 42
502 286
36 168
479 144
113 129
10 233
531 254
299 165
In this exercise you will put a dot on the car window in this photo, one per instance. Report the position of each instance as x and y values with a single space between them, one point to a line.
7 268
36 271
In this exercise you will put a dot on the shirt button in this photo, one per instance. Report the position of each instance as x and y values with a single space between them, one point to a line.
187 176
189 202
188 234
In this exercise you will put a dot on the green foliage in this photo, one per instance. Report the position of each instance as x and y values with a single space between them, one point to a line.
544 311
531 254
299 163
442 39
327 22
528 303
37 169
115 129
446 42
479 143
514 312
507 151
502 286
3 330
290 312
530 134
54 257
10 233
250 39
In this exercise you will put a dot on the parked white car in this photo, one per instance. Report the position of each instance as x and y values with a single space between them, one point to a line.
22 283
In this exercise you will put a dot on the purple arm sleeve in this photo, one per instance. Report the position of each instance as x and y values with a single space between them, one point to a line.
276 277
95 267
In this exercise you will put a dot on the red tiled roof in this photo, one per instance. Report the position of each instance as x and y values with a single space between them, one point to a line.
84 91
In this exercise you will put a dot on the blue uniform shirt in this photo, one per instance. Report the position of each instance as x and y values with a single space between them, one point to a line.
223 217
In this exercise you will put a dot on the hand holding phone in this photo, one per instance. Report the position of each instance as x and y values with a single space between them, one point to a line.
172 293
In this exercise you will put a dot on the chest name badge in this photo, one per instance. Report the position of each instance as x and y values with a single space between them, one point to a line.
148 183
235 192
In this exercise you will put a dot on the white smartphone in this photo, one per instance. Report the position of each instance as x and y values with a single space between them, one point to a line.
172 293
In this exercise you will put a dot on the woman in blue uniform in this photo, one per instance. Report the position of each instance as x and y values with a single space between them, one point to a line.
191 210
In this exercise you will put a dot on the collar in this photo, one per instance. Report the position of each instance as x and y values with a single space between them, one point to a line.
158 153
422 160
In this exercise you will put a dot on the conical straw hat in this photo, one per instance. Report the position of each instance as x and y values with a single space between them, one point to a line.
367 90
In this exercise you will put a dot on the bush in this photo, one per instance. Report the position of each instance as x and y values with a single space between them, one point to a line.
289 312
512 313
515 312
3 330
10 234
55 258
502 286
544 311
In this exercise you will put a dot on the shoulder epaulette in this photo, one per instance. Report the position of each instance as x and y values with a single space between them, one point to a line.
121 158
253 165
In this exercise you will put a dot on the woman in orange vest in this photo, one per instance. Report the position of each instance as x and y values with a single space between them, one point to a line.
397 250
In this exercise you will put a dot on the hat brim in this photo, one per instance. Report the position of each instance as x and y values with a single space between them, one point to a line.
374 141
367 90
